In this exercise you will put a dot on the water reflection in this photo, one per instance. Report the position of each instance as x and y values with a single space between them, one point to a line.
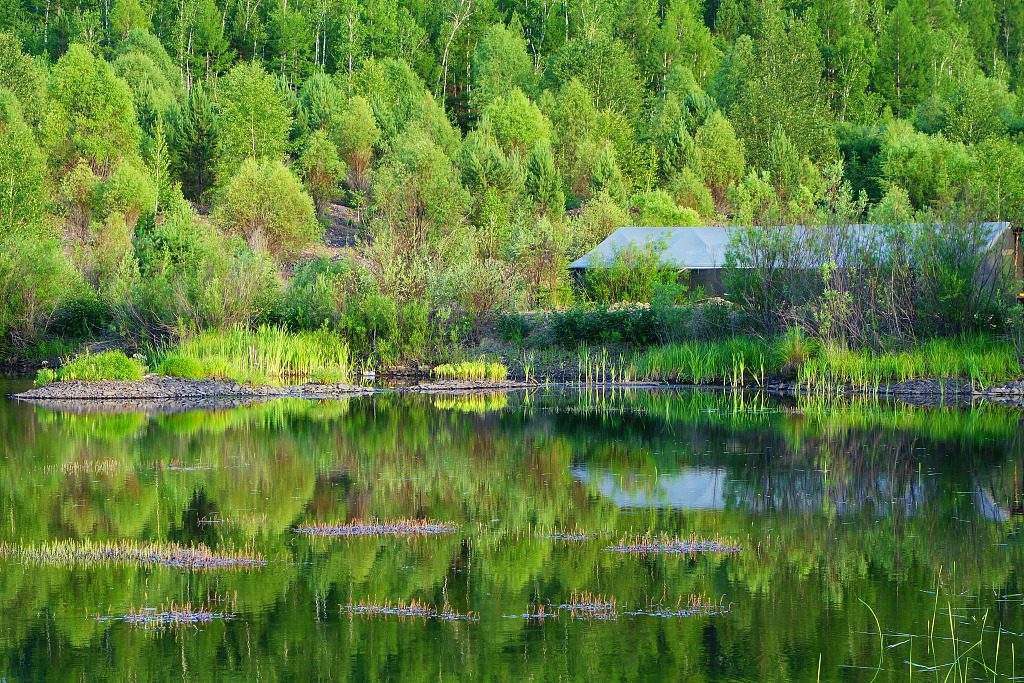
837 502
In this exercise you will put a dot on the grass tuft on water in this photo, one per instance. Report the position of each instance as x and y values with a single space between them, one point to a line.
397 527
70 553
665 545
174 616
267 354
469 370
412 609
98 367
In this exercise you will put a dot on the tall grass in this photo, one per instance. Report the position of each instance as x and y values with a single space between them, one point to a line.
980 360
470 370
734 361
268 353
742 360
105 366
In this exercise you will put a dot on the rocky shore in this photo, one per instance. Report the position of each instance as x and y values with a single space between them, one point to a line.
156 387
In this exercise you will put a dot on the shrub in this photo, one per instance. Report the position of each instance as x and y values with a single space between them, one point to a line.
630 275
580 325
264 202
181 366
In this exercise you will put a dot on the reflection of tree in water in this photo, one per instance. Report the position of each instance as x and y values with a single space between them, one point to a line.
836 496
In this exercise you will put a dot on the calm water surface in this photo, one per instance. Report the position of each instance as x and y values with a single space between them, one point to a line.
882 542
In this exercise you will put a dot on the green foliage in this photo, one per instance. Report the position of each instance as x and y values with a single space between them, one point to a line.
607 177
193 145
322 170
22 171
22 76
517 123
734 360
580 326
254 119
657 209
632 274
542 181
721 155
264 203
500 62
35 278
91 115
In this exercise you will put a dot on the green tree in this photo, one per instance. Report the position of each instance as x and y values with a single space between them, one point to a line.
91 115
721 154
542 180
782 86
264 203
517 123
322 170
23 193
604 64
20 75
254 118
607 177
899 73
356 136
193 146
500 63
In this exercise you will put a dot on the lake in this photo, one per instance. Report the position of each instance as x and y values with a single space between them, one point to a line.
661 535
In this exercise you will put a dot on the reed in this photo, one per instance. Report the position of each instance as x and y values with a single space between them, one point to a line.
471 370
586 605
267 353
71 553
734 361
397 527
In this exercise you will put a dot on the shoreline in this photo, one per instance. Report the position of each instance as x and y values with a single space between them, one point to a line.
172 394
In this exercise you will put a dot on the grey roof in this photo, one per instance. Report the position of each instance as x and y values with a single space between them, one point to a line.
704 247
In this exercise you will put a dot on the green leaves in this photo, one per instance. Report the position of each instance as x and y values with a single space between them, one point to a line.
254 118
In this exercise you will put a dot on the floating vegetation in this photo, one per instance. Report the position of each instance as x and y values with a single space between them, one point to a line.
590 606
173 615
599 607
127 552
413 609
695 606
644 545
397 527
570 536
102 466
178 466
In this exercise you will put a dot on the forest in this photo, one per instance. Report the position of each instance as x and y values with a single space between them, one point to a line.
171 167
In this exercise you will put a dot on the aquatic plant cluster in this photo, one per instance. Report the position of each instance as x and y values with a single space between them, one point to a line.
590 607
127 552
671 546
397 527
412 609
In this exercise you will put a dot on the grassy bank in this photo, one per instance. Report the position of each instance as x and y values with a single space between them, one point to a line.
742 360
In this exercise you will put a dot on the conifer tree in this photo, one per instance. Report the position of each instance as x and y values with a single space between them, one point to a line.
542 181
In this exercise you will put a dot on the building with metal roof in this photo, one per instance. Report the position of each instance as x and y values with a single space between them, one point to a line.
701 251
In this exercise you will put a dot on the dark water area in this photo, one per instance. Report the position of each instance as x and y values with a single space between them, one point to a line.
880 542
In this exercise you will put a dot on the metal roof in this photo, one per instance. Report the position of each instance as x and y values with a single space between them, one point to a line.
704 247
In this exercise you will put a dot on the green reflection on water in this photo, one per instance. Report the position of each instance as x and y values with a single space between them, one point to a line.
835 501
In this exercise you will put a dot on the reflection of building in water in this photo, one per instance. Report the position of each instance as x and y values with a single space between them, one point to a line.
711 488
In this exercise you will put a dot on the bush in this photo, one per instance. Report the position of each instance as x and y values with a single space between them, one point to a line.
264 203
631 275
579 326
181 366
512 327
